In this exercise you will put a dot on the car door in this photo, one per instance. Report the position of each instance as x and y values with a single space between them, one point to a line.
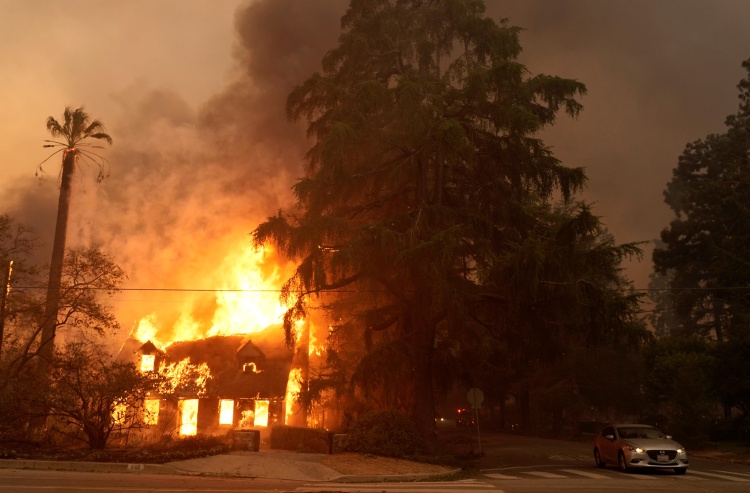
607 447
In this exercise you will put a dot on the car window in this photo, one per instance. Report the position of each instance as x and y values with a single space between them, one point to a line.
608 431
639 432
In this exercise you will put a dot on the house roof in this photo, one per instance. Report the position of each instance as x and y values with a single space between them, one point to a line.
240 368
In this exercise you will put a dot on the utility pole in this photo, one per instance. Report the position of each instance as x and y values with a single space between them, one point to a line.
4 300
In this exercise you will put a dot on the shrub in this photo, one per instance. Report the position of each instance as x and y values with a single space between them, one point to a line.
386 433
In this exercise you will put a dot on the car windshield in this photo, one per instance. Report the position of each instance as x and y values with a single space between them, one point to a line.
639 432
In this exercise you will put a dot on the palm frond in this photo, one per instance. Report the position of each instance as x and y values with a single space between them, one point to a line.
39 166
53 126
101 135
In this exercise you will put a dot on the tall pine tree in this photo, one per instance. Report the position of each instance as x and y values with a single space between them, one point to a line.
425 167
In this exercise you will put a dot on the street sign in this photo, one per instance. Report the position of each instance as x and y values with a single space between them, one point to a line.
475 397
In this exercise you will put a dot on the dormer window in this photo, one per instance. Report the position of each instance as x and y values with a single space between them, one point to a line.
147 362
250 368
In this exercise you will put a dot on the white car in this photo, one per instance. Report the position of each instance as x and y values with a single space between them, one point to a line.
633 446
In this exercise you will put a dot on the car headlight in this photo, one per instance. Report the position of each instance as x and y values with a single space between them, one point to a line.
681 450
637 450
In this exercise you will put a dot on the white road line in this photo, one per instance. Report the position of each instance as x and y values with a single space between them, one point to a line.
586 474
637 476
500 476
736 473
542 474
721 476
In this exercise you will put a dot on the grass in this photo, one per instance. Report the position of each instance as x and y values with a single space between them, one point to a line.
737 452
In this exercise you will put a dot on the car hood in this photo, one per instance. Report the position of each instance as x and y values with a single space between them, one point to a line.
653 443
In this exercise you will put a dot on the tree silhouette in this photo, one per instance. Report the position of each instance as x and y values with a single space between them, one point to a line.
76 128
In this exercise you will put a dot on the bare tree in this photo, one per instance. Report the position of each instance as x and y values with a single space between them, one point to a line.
93 396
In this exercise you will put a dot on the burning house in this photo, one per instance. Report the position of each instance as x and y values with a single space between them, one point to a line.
214 385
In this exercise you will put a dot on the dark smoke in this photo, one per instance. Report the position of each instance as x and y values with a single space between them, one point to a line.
188 184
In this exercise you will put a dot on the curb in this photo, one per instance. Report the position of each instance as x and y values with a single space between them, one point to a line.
89 466
392 477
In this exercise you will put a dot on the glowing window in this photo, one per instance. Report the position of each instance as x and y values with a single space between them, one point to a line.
261 413
120 413
147 362
188 417
226 412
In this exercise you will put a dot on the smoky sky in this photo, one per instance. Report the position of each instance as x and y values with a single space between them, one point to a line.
190 178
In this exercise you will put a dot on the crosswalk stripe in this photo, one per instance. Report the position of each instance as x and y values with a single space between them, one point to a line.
736 473
500 476
586 474
638 476
721 476
542 474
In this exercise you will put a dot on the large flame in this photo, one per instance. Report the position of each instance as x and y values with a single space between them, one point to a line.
246 301
243 299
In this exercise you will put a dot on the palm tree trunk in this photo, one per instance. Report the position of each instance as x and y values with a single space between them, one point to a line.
56 264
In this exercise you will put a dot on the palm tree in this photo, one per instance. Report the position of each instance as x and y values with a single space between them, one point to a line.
76 128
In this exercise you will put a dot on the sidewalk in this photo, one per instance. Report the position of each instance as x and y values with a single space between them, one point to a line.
271 464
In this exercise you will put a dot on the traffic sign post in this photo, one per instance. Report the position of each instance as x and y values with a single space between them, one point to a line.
475 397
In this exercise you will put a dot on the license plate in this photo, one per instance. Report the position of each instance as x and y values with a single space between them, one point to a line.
662 458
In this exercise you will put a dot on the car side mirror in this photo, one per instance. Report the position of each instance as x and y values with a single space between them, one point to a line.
609 437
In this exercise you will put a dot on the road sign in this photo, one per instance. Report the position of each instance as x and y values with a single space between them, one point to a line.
475 397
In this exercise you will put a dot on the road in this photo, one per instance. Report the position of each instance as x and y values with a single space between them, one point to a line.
509 464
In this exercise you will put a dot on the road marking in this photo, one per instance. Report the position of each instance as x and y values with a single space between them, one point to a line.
542 474
501 476
721 476
586 474
637 476
584 458
732 472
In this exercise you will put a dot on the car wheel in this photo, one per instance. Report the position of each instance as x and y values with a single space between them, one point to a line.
598 459
680 470
621 461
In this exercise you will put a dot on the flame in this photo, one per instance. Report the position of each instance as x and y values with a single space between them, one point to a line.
247 420
145 329
315 349
257 305
247 301
293 387
184 375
